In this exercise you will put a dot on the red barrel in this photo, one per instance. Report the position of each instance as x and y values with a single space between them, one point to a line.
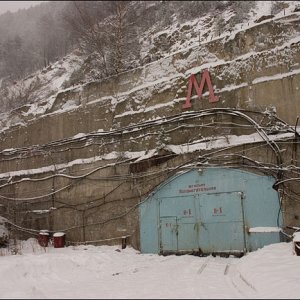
43 238
59 239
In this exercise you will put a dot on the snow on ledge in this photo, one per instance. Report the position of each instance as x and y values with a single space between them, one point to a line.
216 143
296 237
265 229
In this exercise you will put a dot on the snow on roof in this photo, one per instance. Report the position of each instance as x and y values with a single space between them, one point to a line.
58 234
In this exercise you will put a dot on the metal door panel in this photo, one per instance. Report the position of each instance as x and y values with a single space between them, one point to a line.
222 225
185 231
187 234
183 207
168 230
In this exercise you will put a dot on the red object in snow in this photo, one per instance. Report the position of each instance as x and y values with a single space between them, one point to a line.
59 239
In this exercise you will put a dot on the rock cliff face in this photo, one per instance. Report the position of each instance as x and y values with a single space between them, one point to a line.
253 68
136 123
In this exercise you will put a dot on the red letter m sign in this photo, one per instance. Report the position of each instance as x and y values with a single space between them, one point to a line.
199 89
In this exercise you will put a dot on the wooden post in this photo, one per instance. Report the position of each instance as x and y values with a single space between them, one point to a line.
124 242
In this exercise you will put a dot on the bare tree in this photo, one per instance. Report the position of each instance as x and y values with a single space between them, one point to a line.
88 29
108 35
118 28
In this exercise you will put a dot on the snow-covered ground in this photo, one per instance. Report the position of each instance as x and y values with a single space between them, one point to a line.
109 272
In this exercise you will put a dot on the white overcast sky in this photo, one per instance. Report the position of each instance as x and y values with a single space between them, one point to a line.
13 6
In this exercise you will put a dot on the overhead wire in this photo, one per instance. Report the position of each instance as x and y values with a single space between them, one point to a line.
201 160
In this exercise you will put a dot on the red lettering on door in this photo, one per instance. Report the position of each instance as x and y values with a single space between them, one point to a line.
199 89
218 211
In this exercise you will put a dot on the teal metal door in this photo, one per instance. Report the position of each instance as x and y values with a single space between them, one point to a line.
222 223
212 210
178 224
187 237
168 239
